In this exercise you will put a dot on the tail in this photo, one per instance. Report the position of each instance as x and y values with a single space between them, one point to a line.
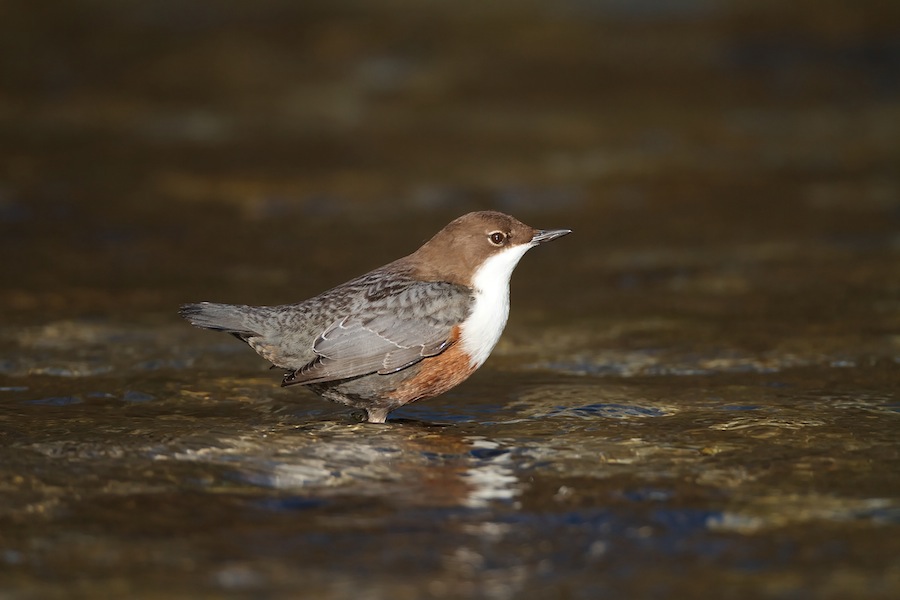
239 320
259 326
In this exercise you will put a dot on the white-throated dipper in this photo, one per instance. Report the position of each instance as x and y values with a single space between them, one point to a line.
407 331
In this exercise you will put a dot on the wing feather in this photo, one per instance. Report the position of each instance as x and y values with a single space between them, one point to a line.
414 321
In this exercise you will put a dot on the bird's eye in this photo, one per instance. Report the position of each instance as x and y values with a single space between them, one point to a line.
497 238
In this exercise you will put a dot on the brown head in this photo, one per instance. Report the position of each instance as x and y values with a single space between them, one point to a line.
461 248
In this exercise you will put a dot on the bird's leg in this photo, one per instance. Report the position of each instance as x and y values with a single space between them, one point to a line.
377 415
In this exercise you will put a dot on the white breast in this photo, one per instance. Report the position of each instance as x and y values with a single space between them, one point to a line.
480 332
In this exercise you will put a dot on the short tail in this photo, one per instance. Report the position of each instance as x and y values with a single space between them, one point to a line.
232 318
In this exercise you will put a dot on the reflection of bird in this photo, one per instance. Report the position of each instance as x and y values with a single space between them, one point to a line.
409 330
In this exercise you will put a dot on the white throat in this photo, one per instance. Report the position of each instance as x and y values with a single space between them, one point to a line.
484 325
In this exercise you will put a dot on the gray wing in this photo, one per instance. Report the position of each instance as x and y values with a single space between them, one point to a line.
402 325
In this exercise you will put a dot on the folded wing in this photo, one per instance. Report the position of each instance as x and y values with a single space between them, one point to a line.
414 321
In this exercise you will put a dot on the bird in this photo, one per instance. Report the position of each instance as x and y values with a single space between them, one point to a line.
408 331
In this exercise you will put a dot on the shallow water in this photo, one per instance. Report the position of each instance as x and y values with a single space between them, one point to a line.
697 394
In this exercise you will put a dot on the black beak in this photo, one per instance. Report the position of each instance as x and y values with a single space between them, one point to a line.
546 235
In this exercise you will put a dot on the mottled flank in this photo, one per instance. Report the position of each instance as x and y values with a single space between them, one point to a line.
435 378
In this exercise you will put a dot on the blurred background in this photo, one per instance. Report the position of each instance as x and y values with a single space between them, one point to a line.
154 152
697 390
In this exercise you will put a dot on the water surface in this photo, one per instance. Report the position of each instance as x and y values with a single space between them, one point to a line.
697 391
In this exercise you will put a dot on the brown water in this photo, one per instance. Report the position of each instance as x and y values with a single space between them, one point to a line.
698 392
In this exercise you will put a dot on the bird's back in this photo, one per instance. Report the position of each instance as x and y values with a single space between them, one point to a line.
389 318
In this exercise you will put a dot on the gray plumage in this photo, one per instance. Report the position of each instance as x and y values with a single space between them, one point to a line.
376 325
